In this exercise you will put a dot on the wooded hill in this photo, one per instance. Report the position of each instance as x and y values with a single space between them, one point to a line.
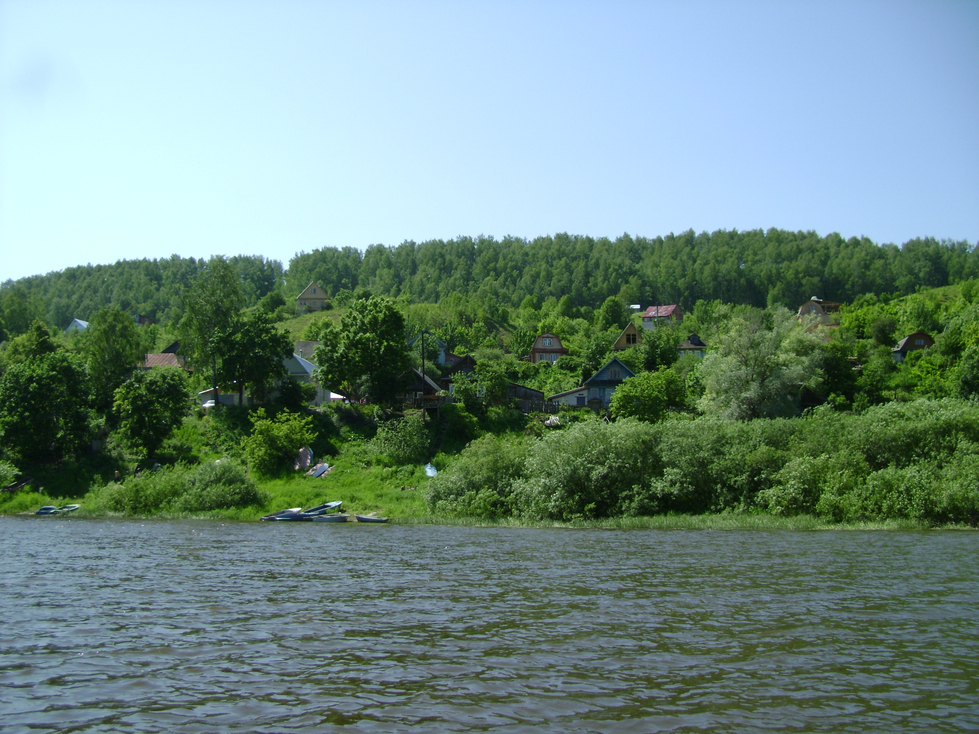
757 268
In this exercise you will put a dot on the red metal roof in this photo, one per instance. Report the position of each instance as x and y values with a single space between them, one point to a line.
654 312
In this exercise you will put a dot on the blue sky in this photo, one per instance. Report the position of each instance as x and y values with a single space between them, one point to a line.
261 127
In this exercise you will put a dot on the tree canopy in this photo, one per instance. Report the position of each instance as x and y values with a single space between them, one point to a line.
367 354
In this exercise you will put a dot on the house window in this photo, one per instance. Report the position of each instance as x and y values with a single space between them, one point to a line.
314 291
919 342
631 338
552 356
580 401
615 373
547 342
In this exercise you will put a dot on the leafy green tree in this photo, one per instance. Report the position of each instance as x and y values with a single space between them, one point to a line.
402 441
18 310
649 396
211 307
274 443
113 347
612 315
150 406
758 370
253 352
44 408
36 342
367 354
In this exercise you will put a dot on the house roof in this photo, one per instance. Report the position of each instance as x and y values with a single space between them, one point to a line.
555 347
319 295
693 342
517 386
164 359
429 382
582 388
906 344
615 360
660 312
305 349
296 365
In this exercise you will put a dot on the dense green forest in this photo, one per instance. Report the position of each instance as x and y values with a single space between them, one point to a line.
756 268
783 416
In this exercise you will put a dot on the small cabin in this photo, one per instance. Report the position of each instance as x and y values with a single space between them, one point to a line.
547 348
911 343
659 315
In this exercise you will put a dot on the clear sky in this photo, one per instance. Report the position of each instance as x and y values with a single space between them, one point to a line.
145 128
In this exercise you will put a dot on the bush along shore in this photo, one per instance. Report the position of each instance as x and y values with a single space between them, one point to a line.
901 464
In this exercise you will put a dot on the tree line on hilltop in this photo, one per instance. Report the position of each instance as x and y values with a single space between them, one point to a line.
757 268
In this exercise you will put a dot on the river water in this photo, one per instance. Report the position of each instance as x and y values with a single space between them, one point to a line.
123 626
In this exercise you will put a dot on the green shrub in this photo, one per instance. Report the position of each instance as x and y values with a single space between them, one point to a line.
479 483
402 441
218 485
459 426
273 444
15 502
956 492
214 485
589 470
8 473
815 485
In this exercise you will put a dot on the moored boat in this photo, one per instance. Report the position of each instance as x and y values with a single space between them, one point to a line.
299 514
370 518
333 517
52 510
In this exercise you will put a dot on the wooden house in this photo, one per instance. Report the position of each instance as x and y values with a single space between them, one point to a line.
910 343
313 298
547 348
659 315
628 338
596 392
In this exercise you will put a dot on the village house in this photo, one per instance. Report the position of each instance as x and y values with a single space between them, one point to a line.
596 392
547 348
628 338
819 311
659 315
694 346
911 343
313 298
169 357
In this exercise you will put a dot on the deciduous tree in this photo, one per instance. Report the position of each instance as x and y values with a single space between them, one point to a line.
150 406
367 353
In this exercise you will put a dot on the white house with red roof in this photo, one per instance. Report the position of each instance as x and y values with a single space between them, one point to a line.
656 315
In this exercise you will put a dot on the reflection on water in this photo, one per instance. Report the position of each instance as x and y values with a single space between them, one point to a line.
271 627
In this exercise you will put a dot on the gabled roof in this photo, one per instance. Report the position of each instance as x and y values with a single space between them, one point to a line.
556 346
906 344
428 381
163 359
626 372
305 349
581 388
660 312
466 363
693 342
309 295
441 344
296 365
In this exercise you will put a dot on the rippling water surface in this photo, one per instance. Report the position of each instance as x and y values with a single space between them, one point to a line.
273 627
